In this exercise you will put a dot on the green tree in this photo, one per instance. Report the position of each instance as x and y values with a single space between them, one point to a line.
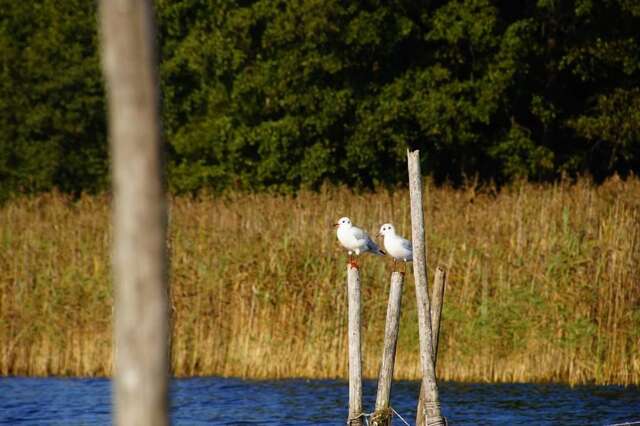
51 98
273 94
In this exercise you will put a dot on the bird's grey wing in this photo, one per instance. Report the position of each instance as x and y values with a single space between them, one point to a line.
407 244
358 233
373 247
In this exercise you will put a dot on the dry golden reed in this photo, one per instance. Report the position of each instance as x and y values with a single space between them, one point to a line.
543 284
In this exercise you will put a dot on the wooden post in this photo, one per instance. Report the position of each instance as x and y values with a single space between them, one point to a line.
382 415
437 298
432 399
355 351
139 213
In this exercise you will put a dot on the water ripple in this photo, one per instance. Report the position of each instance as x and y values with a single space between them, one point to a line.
220 401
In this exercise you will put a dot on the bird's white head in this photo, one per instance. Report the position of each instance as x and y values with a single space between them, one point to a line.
386 229
343 222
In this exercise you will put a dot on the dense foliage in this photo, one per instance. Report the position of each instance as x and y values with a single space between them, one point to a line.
283 94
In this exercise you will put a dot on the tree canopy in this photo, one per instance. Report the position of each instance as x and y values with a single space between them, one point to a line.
274 94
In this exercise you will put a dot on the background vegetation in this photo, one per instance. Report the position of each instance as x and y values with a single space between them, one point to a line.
281 97
288 94
543 284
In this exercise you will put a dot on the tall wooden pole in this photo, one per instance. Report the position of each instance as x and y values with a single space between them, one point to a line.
437 299
432 399
139 213
382 415
355 350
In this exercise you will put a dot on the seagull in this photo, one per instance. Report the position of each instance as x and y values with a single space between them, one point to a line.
397 247
355 240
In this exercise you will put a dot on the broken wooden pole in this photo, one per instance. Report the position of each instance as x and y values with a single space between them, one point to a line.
356 417
382 415
437 298
130 66
432 399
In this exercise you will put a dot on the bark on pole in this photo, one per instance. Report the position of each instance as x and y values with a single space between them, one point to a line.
355 350
139 213
382 414
432 400
439 283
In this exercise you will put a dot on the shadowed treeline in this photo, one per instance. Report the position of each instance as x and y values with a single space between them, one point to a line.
543 284
275 95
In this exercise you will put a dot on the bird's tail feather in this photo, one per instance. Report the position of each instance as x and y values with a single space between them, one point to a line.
373 247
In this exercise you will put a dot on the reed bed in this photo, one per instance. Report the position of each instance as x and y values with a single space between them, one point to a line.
543 284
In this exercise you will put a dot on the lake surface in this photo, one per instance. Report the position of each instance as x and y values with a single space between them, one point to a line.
218 401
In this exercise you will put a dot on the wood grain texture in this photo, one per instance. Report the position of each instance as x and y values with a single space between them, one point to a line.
139 213
392 326
355 348
437 299
432 400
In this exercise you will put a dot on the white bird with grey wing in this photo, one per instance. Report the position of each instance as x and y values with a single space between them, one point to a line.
355 240
397 247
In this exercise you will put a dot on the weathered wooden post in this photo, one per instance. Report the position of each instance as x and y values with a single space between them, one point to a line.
432 399
382 415
437 299
139 213
355 351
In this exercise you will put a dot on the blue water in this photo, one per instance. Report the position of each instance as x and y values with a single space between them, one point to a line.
217 401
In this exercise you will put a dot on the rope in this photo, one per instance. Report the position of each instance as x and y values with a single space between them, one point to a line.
399 416
381 417
430 406
366 417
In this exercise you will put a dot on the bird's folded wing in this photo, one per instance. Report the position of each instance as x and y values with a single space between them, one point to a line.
372 245
358 233
406 244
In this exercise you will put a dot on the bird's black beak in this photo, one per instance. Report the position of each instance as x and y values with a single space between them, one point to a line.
335 225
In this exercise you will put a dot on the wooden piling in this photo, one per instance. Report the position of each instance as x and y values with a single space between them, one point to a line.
432 399
437 299
139 213
382 415
355 350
